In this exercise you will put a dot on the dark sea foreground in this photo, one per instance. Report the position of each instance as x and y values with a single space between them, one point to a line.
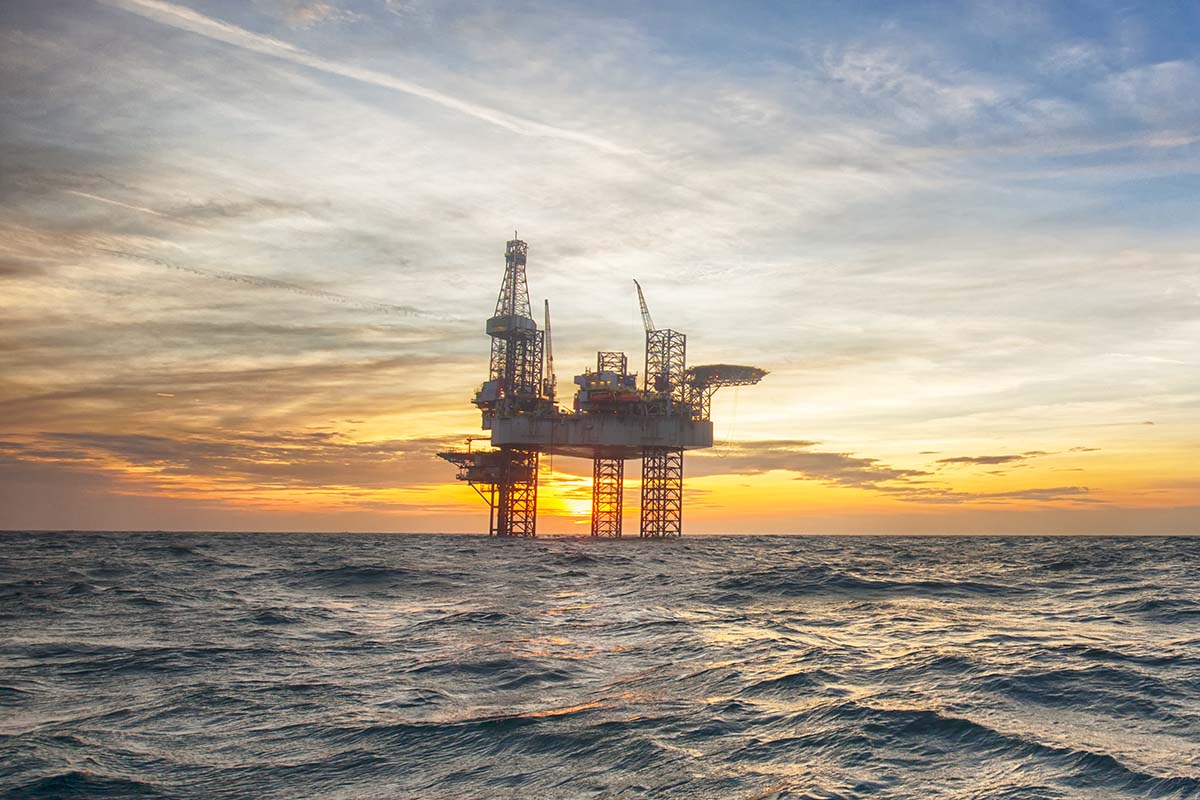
310 666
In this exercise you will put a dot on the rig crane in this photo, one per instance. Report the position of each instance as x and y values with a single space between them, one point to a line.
550 381
647 323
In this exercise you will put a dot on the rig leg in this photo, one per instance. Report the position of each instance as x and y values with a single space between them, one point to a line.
516 495
608 488
662 492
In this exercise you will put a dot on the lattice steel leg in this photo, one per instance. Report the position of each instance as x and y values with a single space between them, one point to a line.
516 503
662 492
608 487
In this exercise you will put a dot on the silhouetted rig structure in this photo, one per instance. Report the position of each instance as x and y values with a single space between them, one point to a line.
612 421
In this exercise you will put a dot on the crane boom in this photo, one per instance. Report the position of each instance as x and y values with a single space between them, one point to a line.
646 321
550 380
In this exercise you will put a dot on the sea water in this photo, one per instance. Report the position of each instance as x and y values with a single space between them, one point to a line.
396 666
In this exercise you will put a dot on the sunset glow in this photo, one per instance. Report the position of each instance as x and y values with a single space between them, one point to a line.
247 251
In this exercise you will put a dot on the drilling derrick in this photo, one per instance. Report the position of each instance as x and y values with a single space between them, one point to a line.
613 419
514 382
514 386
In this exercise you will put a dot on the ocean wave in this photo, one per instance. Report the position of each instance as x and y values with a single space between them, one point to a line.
369 579
467 618
79 659
503 674
1118 692
1088 768
791 683
1163 609
74 784
802 580
275 617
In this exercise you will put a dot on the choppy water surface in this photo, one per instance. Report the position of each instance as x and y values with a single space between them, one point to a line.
288 666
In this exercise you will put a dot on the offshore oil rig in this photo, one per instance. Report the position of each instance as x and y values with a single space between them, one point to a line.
612 419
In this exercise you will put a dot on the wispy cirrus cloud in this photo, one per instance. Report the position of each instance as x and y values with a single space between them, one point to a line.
185 18
992 460
301 14
234 461
841 469
269 283
948 496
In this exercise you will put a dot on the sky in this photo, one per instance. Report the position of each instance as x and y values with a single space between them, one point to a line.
247 249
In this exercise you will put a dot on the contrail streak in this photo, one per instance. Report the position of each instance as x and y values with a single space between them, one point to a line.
117 203
183 18
271 283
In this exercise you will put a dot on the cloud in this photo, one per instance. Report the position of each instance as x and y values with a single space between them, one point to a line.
301 14
946 496
235 208
117 203
184 18
232 463
11 267
207 210
64 495
248 396
981 460
852 471
840 469
1156 94
270 283
1073 58
920 97
993 460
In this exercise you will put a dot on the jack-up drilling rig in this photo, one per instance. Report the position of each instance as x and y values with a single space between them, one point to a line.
613 420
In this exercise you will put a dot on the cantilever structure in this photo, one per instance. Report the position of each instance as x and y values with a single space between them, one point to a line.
612 420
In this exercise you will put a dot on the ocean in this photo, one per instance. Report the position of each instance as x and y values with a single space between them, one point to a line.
198 665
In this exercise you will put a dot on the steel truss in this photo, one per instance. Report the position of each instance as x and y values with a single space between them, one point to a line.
701 383
666 351
514 497
701 401
612 362
513 300
662 492
608 488
517 363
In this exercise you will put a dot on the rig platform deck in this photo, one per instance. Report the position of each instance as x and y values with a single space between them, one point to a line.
613 419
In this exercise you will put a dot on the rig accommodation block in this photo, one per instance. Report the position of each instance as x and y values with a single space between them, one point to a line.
613 418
